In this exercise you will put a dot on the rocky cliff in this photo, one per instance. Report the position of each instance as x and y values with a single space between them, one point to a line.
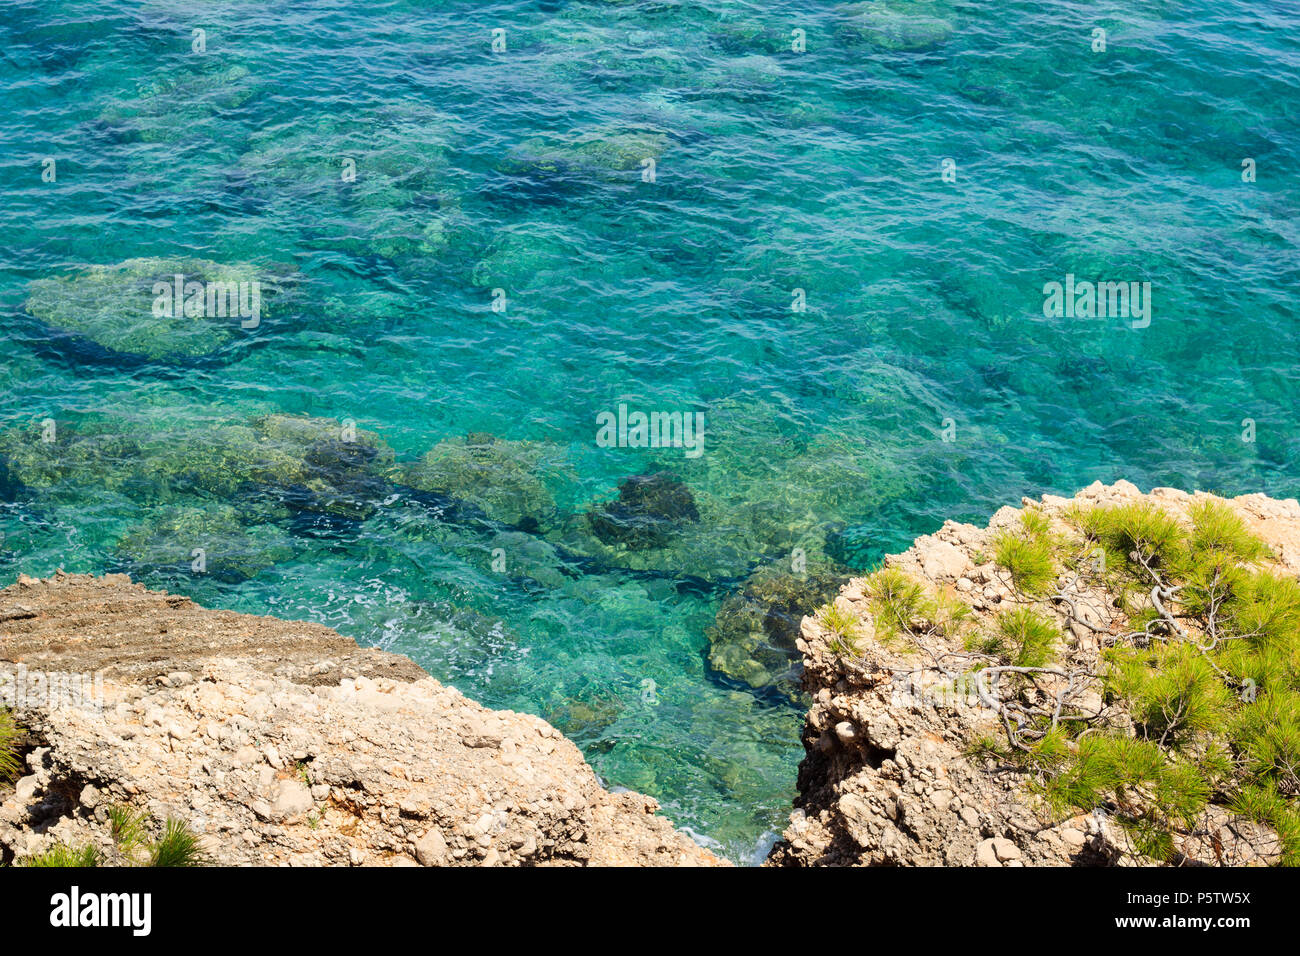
1104 680
968 697
283 743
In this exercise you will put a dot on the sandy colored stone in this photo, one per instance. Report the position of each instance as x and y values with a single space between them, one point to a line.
282 742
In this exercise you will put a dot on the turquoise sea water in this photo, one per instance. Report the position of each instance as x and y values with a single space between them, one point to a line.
521 170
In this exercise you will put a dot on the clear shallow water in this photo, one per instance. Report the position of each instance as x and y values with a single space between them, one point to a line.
774 171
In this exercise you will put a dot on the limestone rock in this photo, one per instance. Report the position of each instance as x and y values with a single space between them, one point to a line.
889 777
274 758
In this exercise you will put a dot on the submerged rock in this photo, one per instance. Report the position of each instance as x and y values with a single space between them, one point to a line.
170 106
744 78
753 637
899 25
316 465
697 555
766 485
43 456
372 182
602 154
344 472
587 715
397 148
129 308
503 478
231 551
746 36
531 258
218 461
647 513
528 561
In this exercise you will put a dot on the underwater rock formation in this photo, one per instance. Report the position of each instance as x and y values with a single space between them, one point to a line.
754 635
344 472
44 456
313 465
899 25
536 258
397 148
508 480
218 538
586 715
384 180
220 460
602 154
742 37
170 106
119 308
649 510
761 492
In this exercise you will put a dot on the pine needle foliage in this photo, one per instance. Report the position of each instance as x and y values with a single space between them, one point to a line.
1026 554
1212 684
177 846
897 600
9 762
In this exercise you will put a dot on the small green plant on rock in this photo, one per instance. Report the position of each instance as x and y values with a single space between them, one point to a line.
127 828
62 855
951 613
843 625
9 762
1026 554
897 601
1029 638
178 845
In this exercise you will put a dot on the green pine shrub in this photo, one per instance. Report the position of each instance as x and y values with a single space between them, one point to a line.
897 600
843 626
1027 554
1262 802
1215 701
1140 527
1173 692
129 829
9 762
62 855
178 846
1029 639
1216 528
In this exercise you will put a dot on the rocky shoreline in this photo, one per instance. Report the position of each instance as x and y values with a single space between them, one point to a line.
890 776
284 743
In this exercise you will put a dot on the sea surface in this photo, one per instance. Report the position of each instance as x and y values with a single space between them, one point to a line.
827 228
